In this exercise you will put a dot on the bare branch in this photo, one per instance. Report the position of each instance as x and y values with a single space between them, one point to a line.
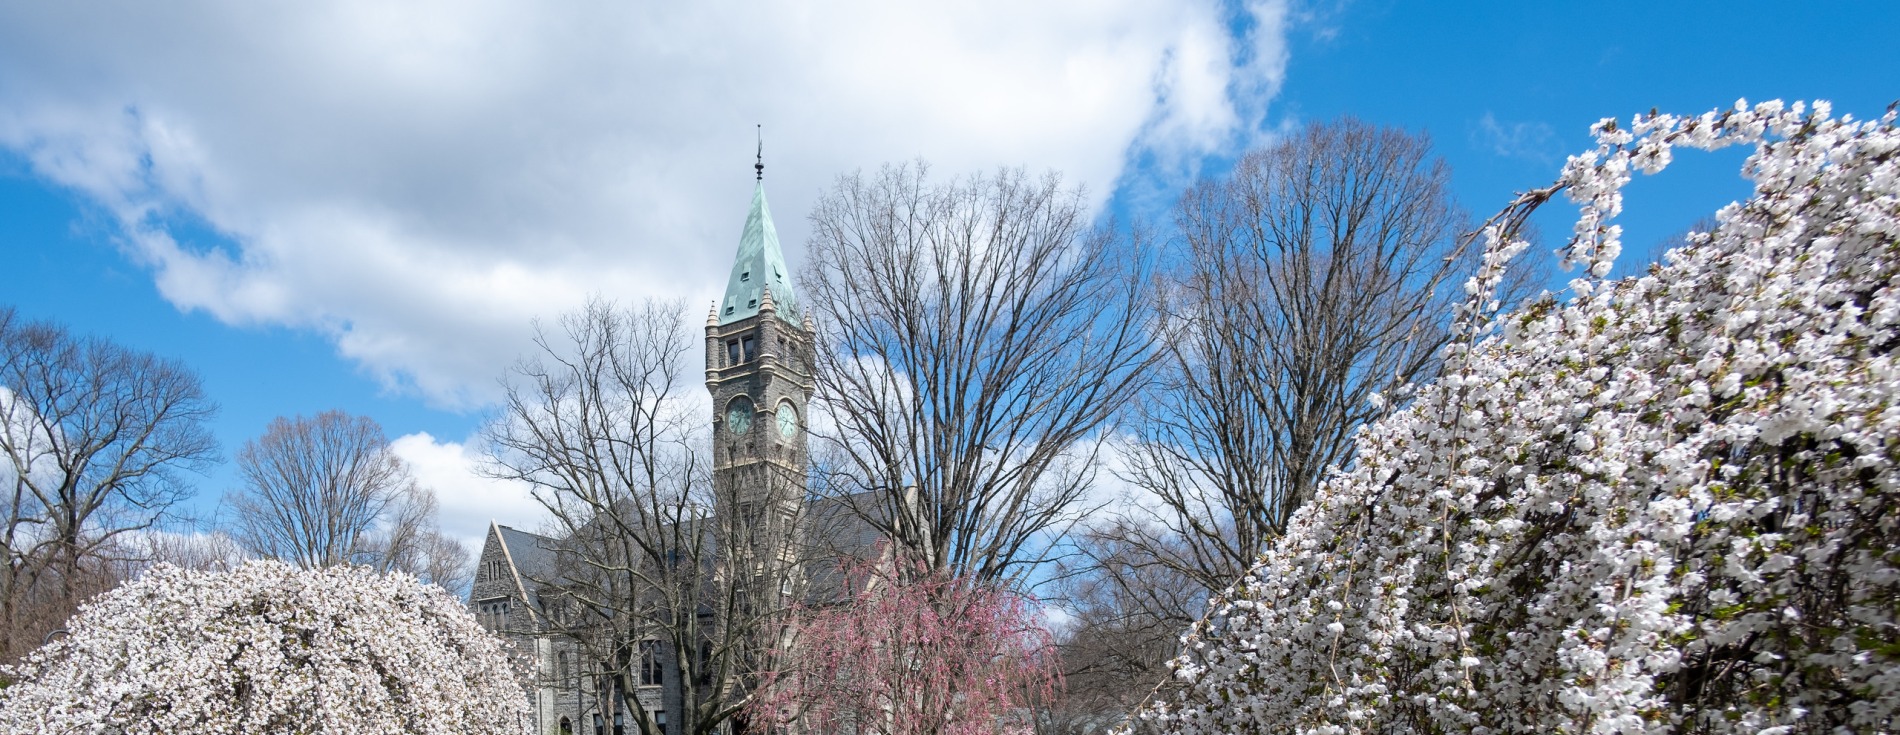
93 440
1313 285
979 335
650 564
328 490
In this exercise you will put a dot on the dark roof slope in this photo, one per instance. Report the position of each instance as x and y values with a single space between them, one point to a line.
839 533
839 526
532 553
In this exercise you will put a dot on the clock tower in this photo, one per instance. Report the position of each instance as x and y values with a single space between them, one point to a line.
759 370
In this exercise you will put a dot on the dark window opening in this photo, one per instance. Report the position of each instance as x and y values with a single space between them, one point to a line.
732 352
751 348
493 614
659 718
745 276
650 674
753 304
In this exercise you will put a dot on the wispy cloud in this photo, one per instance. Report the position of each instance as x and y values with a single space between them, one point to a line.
1212 90
1531 141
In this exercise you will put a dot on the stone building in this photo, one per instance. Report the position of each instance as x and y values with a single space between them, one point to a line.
759 372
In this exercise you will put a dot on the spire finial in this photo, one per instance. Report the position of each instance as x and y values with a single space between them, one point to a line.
760 165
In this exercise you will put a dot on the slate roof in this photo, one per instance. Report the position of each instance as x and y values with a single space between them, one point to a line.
839 531
838 524
836 528
532 553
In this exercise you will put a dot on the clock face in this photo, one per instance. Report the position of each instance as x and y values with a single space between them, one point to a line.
787 420
739 415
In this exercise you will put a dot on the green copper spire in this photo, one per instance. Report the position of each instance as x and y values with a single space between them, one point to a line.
760 265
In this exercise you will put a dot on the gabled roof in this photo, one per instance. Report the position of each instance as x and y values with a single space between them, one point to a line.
837 534
759 264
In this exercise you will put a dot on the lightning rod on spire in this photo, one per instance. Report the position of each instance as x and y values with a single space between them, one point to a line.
760 165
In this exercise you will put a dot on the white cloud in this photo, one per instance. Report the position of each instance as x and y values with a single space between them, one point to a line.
418 180
26 447
466 500
1057 619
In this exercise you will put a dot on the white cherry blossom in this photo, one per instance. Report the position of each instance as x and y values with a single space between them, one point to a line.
1668 503
269 649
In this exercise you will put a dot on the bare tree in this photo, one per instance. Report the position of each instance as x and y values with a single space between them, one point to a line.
328 490
1312 285
439 559
95 437
1124 621
212 550
978 335
652 565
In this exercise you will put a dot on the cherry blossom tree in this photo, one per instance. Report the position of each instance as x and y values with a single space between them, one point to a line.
269 648
913 652
1667 503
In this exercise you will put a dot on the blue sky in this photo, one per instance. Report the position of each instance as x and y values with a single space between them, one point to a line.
351 206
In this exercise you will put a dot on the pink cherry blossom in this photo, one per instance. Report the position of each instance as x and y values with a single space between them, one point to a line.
916 653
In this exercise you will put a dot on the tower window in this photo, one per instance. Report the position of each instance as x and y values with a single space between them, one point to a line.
751 348
745 276
753 304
